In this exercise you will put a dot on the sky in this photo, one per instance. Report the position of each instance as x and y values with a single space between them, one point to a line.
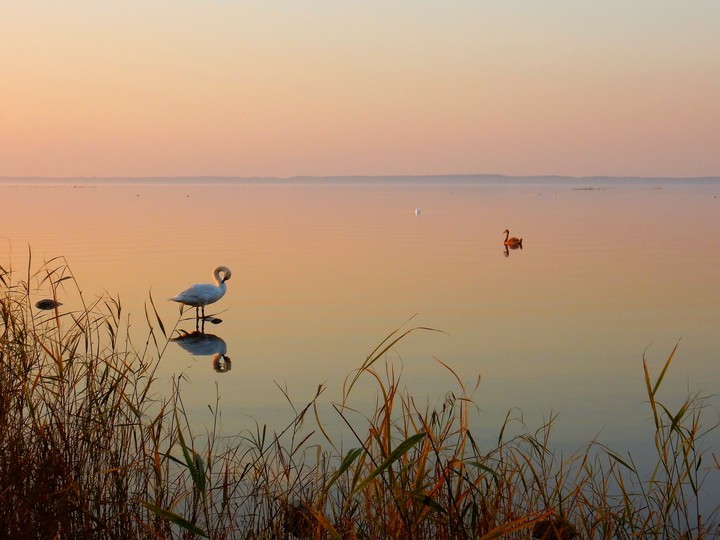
327 88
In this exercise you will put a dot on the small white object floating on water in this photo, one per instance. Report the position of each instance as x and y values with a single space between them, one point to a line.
418 211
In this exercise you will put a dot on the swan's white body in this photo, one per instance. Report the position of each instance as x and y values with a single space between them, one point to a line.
202 294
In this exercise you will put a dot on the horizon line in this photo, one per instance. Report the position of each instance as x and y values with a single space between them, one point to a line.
466 176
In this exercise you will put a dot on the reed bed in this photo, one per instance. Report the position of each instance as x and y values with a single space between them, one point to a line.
91 447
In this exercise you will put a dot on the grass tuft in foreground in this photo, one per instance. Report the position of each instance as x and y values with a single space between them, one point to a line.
91 447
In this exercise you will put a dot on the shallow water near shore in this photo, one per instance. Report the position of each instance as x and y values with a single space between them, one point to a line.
609 272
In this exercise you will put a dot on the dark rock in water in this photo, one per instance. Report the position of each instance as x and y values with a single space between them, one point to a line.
47 303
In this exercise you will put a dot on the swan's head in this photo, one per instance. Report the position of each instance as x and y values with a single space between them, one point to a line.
506 231
225 271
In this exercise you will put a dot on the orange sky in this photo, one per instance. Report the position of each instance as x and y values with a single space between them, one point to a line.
183 88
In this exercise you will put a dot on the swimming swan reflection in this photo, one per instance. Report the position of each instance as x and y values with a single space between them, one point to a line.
202 294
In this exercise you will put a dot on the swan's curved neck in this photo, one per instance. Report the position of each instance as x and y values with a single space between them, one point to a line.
507 235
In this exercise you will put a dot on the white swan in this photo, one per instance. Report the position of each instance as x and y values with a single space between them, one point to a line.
202 294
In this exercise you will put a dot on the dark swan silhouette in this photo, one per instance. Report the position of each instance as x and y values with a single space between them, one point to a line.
513 242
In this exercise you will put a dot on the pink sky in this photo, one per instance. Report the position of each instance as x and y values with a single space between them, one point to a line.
185 88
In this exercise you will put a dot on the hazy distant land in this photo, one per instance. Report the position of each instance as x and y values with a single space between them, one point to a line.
480 179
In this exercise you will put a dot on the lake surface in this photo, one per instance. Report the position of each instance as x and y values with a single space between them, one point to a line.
610 270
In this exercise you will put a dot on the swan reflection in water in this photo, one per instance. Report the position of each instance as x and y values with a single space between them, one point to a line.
506 253
201 344
221 363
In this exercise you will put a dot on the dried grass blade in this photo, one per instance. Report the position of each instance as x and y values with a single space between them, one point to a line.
619 460
651 394
516 525
157 316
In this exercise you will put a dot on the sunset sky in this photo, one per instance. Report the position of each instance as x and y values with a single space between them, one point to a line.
251 88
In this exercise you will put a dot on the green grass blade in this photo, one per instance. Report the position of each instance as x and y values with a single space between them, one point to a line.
349 459
396 454
425 500
176 519
194 463
664 370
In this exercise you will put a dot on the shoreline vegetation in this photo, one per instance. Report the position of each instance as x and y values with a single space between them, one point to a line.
91 448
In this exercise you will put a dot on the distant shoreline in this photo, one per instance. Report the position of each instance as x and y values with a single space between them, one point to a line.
468 179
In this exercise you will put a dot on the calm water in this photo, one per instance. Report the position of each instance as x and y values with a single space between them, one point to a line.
608 272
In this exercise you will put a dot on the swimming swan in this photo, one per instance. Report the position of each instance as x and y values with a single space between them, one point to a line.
202 294
512 241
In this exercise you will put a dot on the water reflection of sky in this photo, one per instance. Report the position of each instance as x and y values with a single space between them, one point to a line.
321 274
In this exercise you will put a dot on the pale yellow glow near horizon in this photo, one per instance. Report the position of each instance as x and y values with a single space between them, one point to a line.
230 88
